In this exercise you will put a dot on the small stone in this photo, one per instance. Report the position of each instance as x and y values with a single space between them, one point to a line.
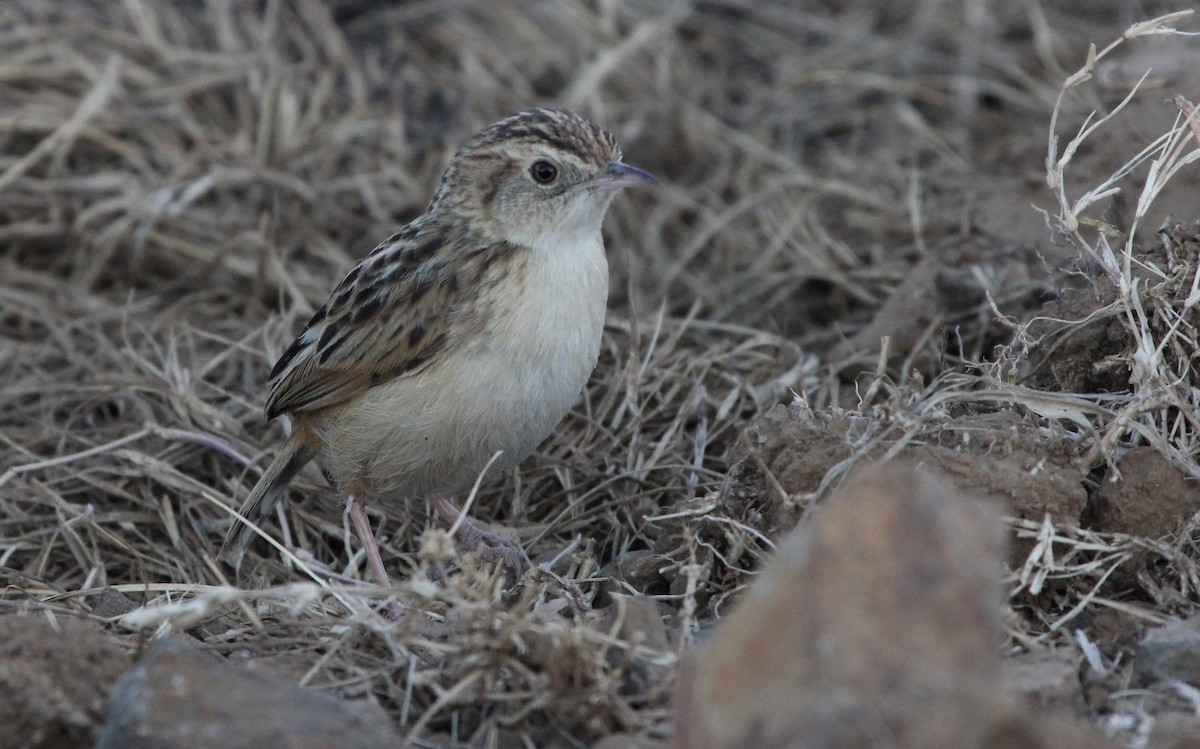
112 603
638 622
1047 676
638 570
180 698
1170 652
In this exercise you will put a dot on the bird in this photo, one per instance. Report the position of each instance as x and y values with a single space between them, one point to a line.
460 342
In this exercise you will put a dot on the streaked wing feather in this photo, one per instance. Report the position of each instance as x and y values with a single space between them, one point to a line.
390 317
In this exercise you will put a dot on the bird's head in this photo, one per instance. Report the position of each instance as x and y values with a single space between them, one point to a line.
539 178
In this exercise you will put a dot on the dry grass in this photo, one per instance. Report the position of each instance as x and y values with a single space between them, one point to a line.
181 185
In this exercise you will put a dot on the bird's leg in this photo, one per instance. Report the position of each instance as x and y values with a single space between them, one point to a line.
471 537
362 527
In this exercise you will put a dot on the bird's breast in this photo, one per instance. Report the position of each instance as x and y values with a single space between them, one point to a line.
548 315
542 342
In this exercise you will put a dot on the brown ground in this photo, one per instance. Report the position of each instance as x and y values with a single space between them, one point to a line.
182 184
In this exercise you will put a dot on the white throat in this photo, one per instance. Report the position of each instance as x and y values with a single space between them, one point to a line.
576 227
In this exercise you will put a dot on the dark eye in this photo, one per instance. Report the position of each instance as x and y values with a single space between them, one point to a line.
543 172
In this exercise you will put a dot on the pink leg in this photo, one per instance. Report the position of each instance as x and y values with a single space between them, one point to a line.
362 526
472 537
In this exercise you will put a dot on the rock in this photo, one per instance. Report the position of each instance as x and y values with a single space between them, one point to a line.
180 698
639 570
112 603
1046 675
1175 731
1170 652
1152 498
879 625
55 674
637 621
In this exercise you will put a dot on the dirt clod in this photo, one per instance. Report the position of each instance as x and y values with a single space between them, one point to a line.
788 454
1149 496
55 676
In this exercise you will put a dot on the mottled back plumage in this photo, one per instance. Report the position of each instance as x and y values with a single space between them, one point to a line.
392 315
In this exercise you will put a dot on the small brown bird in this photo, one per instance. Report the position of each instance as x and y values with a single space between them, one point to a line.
470 331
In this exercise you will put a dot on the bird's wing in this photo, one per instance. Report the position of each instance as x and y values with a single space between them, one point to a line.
395 313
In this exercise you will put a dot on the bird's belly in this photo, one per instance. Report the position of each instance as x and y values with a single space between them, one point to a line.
505 392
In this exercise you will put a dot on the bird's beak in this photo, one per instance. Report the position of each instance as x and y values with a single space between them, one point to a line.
624 175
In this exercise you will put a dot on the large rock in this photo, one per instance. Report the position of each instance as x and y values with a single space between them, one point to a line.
878 626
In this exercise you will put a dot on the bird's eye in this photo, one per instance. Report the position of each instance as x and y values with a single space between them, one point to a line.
543 172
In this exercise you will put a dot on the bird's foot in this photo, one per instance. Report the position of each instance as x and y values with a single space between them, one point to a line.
491 548
471 537
394 612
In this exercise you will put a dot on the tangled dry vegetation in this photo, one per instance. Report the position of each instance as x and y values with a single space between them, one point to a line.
181 184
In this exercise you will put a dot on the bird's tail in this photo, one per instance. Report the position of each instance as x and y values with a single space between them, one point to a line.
269 489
